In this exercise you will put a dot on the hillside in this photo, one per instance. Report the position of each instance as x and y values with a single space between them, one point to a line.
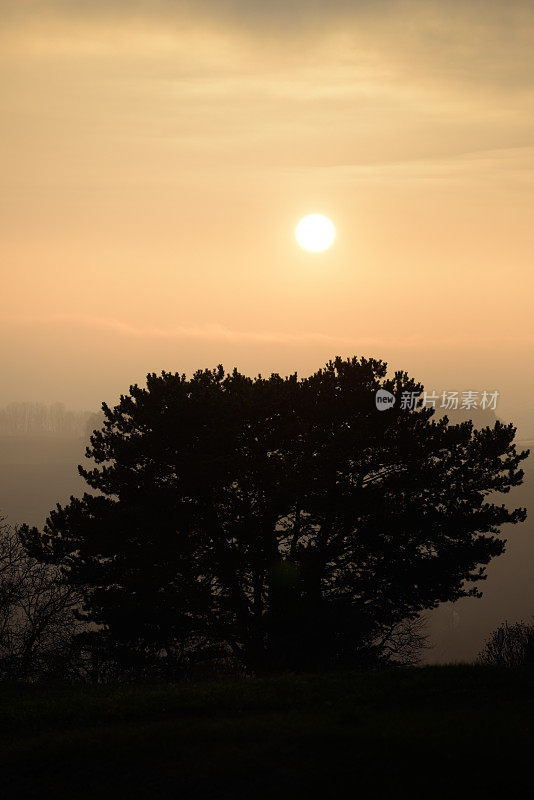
436 732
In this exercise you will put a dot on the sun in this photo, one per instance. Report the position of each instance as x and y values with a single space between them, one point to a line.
315 233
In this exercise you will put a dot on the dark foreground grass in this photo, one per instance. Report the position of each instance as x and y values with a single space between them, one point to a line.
425 732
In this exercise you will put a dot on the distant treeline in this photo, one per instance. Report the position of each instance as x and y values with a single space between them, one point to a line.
35 418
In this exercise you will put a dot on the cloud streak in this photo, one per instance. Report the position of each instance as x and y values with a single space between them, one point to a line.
214 332
209 332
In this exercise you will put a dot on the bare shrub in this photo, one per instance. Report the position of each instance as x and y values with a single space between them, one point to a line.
509 645
37 624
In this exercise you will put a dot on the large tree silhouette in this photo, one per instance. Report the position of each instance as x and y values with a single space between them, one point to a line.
284 518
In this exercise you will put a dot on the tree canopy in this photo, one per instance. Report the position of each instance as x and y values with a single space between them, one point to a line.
285 520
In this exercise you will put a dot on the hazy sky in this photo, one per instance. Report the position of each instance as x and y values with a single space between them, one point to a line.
157 156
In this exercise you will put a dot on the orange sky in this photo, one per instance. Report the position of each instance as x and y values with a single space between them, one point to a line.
157 156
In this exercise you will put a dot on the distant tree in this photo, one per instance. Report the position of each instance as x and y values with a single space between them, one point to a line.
284 519
91 422
509 645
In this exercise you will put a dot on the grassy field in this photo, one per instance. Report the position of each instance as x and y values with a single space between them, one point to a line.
432 732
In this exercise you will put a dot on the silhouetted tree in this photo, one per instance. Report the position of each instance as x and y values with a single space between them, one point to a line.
286 519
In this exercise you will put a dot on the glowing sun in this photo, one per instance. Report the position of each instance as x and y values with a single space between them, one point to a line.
315 232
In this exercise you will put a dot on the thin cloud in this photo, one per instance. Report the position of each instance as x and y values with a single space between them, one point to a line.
211 331
484 41
219 333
